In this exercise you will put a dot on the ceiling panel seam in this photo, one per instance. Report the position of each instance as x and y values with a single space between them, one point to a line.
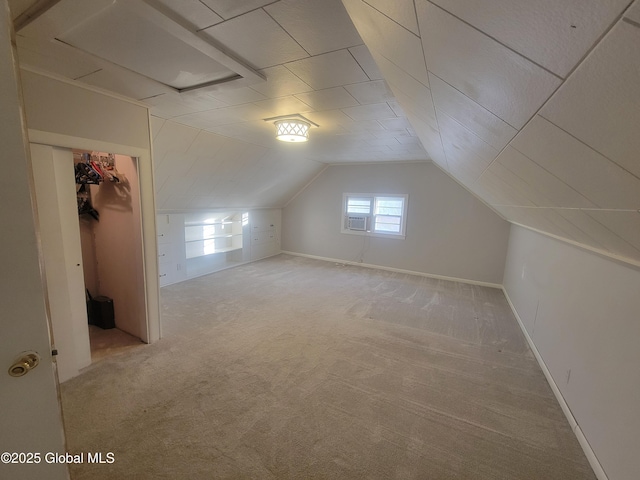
555 176
285 30
588 146
394 21
497 41
240 14
631 22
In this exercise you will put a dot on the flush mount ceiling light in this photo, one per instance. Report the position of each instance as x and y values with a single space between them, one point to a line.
293 128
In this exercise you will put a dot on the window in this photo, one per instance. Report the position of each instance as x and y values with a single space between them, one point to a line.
379 215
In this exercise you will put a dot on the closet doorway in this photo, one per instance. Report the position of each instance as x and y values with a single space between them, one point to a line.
90 217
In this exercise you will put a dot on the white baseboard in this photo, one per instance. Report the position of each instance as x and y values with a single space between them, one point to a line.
397 270
584 443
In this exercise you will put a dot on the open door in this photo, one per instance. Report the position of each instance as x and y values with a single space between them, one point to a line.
31 420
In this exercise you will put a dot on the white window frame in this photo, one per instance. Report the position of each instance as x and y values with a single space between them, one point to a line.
371 215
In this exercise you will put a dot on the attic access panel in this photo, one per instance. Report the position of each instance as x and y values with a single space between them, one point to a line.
144 37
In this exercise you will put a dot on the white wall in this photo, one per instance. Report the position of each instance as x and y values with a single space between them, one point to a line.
60 107
582 311
449 232
64 114
118 246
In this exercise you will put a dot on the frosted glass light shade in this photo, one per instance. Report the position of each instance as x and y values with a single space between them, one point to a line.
292 130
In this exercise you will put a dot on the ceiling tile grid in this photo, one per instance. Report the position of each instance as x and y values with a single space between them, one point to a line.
553 34
319 27
542 188
402 12
367 63
328 70
280 82
209 165
328 99
502 81
467 154
633 13
492 66
258 39
600 103
193 11
489 127
533 106
388 38
596 177
228 9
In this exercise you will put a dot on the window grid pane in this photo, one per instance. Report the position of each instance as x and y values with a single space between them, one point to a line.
359 205
387 223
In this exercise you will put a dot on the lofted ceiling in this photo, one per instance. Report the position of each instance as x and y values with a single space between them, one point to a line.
533 106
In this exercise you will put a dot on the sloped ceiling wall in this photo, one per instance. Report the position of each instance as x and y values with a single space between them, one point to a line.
195 169
533 106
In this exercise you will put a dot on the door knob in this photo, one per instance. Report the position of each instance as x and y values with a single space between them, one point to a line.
27 361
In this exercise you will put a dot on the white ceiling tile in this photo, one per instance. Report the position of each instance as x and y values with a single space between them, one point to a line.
597 178
257 132
156 123
370 92
388 39
237 96
537 218
283 106
173 105
429 138
600 234
280 82
411 94
367 63
173 137
499 186
503 82
367 112
397 109
541 187
366 126
634 12
600 103
223 116
54 57
553 34
401 11
329 99
125 83
319 27
409 140
330 121
465 111
258 39
194 11
232 8
328 70
467 154
395 124
624 224
134 41
463 139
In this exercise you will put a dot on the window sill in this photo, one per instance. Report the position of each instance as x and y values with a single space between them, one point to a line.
395 236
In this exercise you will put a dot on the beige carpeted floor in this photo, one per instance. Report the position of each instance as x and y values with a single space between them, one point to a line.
296 368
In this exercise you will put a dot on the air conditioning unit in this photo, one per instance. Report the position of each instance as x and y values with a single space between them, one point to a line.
356 222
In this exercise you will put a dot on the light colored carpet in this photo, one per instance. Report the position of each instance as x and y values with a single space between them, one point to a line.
297 368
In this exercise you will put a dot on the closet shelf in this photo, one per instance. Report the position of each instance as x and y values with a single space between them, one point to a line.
205 224
214 236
